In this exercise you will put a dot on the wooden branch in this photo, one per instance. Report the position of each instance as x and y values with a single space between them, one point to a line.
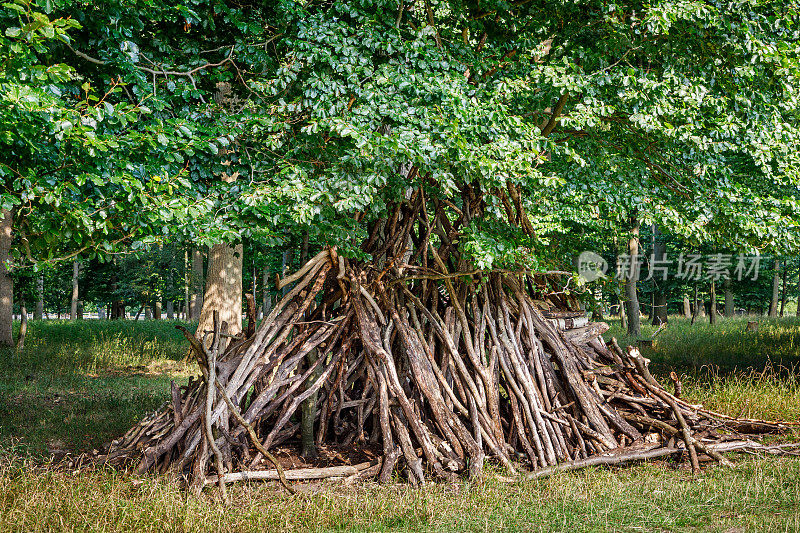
299 474
605 460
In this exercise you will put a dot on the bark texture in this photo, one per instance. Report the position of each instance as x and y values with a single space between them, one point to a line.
6 283
223 289
73 302
631 294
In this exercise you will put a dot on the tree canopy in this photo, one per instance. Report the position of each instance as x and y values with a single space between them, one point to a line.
121 118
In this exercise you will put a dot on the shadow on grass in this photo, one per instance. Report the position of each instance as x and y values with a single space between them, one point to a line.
79 385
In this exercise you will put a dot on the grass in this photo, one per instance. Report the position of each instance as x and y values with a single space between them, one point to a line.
78 385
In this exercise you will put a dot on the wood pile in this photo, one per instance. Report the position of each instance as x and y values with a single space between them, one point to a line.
436 367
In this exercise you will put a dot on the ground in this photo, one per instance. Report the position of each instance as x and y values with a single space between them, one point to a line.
79 385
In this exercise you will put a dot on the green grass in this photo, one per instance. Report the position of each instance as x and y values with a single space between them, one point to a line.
79 385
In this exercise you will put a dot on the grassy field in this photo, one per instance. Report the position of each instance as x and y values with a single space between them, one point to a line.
79 385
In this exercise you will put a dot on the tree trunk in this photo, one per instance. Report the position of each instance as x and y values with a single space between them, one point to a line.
797 312
39 312
309 407
170 310
308 447
695 312
598 307
712 315
196 302
634 317
776 285
6 284
186 282
223 289
659 295
73 306
265 295
23 325
687 306
157 309
148 312
783 291
729 308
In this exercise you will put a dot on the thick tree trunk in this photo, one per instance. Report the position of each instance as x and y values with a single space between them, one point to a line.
6 284
712 315
223 289
196 302
776 285
73 305
170 310
634 316
148 313
687 306
729 308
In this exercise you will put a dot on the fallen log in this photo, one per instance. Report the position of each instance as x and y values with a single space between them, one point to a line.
298 474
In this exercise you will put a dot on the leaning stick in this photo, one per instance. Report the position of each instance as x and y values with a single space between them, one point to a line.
211 378
254 438
598 460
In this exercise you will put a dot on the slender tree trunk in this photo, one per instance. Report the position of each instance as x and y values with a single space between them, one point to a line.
597 307
308 447
797 311
309 406
687 306
634 316
286 260
776 285
659 294
73 306
712 315
783 291
23 325
265 295
39 312
729 309
223 289
139 313
6 283
186 282
196 302
695 311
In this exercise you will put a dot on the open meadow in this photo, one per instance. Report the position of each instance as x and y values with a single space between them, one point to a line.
78 385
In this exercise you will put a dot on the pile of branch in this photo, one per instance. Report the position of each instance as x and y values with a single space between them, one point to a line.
436 366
